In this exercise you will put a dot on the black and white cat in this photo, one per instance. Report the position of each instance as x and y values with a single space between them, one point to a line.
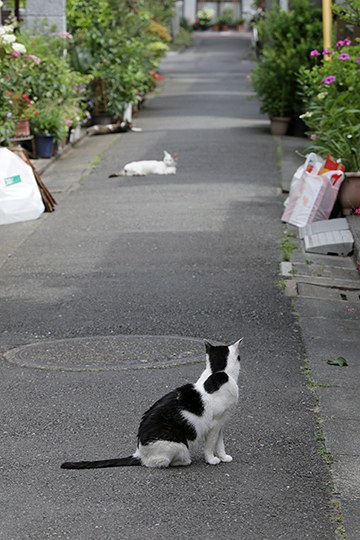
142 168
189 414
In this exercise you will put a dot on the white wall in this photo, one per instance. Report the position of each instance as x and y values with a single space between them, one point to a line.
52 10
189 10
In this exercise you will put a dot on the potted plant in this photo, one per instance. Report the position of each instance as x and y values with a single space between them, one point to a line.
239 24
16 103
22 109
204 17
48 126
226 20
274 85
332 93
283 54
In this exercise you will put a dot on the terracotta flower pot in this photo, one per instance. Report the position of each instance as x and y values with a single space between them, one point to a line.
349 193
22 129
279 125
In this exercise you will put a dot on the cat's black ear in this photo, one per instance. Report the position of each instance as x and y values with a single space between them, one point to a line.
208 346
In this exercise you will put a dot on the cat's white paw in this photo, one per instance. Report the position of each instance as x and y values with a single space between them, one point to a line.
213 460
226 458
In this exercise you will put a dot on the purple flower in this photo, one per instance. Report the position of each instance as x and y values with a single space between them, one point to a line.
346 42
314 53
329 79
344 56
358 60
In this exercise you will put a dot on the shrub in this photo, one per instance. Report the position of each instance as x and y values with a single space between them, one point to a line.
182 39
285 50
331 90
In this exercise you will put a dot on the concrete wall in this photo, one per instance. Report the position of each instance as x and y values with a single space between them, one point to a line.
178 13
54 11
189 10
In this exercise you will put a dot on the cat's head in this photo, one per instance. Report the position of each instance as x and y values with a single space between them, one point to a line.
169 160
224 357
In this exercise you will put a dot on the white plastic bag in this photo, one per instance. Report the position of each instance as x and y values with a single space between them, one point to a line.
20 198
313 163
312 198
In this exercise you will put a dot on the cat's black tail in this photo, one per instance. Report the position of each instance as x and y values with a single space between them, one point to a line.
120 173
120 462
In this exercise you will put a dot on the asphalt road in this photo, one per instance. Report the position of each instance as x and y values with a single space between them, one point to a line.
191 256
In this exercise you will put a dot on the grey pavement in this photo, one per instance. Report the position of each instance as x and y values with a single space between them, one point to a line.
104 306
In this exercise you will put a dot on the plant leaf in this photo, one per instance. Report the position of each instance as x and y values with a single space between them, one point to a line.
339 361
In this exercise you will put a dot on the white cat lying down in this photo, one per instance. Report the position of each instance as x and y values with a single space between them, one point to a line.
142 168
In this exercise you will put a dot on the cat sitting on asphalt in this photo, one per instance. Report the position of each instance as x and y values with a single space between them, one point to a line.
142 168
189 414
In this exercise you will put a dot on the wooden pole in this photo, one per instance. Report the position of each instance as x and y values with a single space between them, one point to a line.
327 24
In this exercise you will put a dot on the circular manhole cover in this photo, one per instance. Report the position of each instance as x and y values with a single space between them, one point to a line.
106 353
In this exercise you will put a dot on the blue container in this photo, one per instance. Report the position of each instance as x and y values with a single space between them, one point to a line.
44 145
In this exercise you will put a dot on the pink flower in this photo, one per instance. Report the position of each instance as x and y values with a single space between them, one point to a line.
347 42
328 80
36 59
15 54
344 56
314 53
358 60
314 136
357 212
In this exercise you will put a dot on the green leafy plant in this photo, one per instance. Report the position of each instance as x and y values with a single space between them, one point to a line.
120 46
274 83
331 90
285 50
49 121
226 18
339 361
182 39
348 11
287 246
16 99
185 24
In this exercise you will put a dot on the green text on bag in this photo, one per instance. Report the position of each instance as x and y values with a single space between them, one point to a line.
10 180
